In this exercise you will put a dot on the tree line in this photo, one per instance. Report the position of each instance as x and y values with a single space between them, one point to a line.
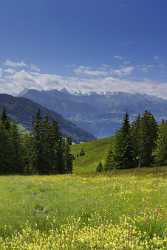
42 151
141 143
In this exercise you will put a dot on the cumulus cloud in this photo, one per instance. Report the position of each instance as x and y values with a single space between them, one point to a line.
89 72
145 67
123 71
1 72
34 67
118 57
14 64
85 79
104 71
9 71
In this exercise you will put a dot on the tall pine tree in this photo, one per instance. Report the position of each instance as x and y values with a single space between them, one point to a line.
149 131
110 162
37 142
161 149
123 152
51 151
10 146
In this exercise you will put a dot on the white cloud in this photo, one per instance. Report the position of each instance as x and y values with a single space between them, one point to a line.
9 71
34 67
1 72
123 71
118 57
85 79
14 64
89 72
145 67
149 68
104 71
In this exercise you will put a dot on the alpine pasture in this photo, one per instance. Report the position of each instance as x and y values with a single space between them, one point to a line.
121 210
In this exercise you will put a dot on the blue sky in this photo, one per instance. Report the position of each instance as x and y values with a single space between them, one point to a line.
90 43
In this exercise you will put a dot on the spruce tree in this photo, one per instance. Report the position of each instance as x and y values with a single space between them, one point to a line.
51 141
161 149
110 163
38 159
68 156
43 151
61 158
28 153
5 150
47 143
57 147
136 134
10 146
16 150
51 150
82 152
123 152
4 119
149 131
99 168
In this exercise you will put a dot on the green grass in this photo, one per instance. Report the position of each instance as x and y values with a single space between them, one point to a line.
35 198
95 151
120 210
48 202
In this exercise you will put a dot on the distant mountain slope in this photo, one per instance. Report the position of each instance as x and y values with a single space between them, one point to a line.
22 110
99 114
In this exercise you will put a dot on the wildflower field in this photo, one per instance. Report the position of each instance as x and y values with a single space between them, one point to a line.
126 210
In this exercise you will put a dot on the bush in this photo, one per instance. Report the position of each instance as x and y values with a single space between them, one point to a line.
99 168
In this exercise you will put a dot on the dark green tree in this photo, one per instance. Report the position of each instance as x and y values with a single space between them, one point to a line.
16 150
37 142
82 152
123 150
28 153
5 150
149 132
161 149
110 162
68 156
42 151
136 135
58 156
5 119
99 168
50 149
10 146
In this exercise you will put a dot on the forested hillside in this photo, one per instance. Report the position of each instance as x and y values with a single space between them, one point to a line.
22 110
42 151
137 144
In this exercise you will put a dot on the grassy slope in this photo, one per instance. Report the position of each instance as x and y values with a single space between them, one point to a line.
48 201
96 151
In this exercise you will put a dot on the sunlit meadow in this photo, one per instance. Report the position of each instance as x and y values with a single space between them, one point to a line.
126 210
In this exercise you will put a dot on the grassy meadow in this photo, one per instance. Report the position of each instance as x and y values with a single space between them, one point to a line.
123 210
95 151
126 210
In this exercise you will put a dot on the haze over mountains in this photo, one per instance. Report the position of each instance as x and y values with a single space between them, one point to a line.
22 110
99 114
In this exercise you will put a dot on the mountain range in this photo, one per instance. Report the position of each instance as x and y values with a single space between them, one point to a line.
99 114
22 110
